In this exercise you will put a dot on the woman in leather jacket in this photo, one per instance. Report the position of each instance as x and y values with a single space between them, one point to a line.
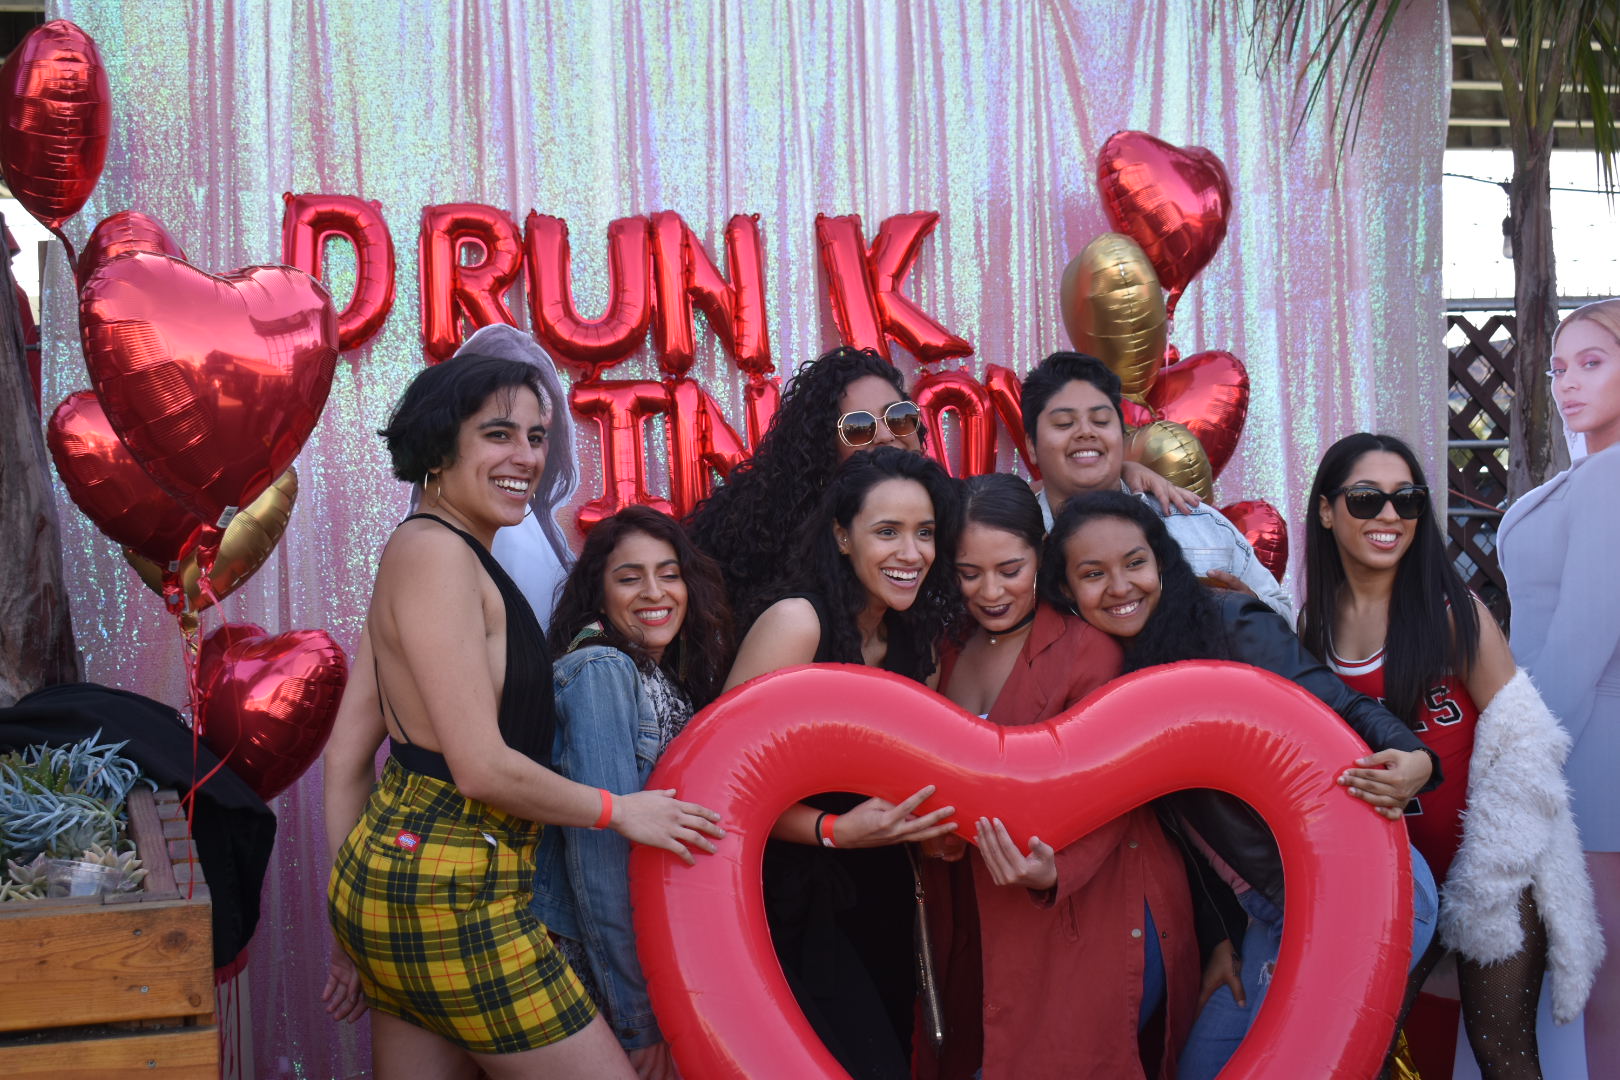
1110 558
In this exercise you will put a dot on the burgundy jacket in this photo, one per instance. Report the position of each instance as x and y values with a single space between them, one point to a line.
1061 984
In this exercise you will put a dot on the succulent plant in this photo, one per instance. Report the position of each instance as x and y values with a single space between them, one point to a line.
25 881
60 800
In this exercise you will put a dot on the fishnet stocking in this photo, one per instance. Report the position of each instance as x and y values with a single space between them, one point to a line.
1499 1004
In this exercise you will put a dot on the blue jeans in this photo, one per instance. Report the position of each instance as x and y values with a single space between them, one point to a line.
1221 1025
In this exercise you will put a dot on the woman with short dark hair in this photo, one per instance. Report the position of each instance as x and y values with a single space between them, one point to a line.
429 893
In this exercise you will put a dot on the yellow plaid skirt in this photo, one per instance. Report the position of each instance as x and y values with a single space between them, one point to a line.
430 897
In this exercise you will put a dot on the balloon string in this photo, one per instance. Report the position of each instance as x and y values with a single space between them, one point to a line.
199 700
72 255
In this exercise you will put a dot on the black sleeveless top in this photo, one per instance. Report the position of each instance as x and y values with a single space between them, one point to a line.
525 713
903 656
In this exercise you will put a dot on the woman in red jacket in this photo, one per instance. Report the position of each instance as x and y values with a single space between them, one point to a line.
1083 947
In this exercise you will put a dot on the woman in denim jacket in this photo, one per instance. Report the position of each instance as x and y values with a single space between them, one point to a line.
642 631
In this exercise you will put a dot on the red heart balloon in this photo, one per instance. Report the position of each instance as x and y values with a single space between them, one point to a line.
55 113
108 484
211 653
268 702
1265 530
1208 394
1171 200
127 230
715 983
212 382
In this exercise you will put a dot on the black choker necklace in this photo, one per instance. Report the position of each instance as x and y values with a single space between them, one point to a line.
995 639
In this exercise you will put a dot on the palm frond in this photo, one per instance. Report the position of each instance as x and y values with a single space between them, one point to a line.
1543 50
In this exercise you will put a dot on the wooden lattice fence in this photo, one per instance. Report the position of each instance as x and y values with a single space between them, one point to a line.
1480 391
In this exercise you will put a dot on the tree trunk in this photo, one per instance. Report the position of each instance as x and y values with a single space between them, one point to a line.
1536 439
36 632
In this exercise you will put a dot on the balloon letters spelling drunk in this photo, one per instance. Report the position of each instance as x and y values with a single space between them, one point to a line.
714 979
588 345
686 278
452 291
309 221
864 286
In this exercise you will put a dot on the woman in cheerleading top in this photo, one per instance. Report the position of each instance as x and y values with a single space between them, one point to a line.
1385 606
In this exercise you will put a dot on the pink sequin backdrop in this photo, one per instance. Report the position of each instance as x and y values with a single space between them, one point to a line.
990 113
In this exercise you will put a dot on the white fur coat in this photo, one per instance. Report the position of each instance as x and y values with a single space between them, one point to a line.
1518 832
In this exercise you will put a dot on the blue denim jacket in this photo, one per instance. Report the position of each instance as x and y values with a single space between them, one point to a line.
607 737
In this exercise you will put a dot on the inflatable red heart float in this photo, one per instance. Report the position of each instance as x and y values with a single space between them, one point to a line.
715 983
212 382
268 703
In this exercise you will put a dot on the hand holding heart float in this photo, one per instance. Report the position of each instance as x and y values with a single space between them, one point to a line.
721 999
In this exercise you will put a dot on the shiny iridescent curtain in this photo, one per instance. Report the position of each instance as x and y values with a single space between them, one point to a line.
1328 285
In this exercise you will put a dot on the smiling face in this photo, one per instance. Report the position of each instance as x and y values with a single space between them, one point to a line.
1375 543
890 542
996 570
873 394
1078 444
1111 575
500 451
643 593
1585 374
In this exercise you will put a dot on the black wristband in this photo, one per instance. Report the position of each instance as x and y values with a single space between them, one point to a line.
815 833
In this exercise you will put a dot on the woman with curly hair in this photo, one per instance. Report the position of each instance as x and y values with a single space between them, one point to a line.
642 634
845 400
874 586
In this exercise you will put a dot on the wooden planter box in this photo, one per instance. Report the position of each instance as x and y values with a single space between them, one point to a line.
118 985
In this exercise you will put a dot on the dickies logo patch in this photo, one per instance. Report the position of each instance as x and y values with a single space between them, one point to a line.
407 840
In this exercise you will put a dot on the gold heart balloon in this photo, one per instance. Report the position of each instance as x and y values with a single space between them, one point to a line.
249 539
1113 308
1175 454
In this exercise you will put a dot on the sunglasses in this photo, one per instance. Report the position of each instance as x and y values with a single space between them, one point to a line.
859 428
1368 502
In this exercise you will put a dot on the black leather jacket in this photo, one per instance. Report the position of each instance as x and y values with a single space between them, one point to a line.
1259 636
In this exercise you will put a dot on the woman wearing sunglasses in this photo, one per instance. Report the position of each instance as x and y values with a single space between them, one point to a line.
1111 559
1557 548
1113 904
642 634
844 401
872 585
1386 607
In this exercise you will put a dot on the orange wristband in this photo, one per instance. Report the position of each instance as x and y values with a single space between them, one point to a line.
824 829
605 818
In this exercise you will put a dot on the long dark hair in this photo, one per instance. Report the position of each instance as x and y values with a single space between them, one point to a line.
999 501
750 520
701 653
1186 624
819 568
1433 627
